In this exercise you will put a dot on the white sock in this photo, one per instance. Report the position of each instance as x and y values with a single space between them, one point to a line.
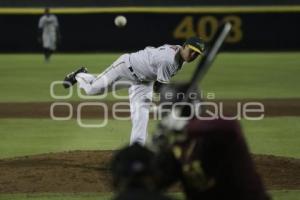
85 80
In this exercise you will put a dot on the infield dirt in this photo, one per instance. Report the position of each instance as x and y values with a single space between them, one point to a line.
272 108
88 171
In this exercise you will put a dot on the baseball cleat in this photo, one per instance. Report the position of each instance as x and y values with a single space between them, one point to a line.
70 78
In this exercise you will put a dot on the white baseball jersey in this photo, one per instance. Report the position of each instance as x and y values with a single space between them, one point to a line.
153 64
148 65
49 24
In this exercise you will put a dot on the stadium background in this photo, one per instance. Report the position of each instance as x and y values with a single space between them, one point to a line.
46 159
87 26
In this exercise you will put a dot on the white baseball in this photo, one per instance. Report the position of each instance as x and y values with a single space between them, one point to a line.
120 21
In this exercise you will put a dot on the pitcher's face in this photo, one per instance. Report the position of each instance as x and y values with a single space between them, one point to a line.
188 55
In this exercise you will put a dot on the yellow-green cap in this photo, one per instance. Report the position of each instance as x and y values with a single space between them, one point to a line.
195 44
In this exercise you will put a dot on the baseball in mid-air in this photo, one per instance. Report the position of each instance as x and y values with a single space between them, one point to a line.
120 21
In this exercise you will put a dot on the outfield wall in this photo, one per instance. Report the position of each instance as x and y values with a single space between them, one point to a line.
105 3
263 28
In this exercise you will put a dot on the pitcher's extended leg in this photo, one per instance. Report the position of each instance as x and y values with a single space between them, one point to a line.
103 83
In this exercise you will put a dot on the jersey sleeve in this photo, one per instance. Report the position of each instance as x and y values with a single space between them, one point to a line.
56 24
41 22
164 73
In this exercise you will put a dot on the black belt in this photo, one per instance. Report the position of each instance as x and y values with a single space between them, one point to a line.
132 72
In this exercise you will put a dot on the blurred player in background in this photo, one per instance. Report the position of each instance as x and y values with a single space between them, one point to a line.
49 33
143 69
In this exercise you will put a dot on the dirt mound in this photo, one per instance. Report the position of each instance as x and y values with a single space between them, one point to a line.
272 108
88 171
278 172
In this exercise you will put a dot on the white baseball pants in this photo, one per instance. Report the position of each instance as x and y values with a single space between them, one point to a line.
49 40
140 93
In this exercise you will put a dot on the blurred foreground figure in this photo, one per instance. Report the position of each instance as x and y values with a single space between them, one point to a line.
212 161
133 174
48 33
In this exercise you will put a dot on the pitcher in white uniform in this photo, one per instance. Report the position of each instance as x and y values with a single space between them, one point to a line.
143 69
49 33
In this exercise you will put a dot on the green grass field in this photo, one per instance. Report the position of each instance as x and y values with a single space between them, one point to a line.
19 137
26 78
276 195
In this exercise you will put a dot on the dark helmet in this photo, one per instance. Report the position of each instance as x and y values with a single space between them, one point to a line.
131 165
196 44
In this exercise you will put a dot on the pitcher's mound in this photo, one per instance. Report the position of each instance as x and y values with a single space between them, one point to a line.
88 171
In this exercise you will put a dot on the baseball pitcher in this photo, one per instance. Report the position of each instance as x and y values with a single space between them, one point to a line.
143 69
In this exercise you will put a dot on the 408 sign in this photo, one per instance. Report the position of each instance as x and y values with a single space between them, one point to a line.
206 27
